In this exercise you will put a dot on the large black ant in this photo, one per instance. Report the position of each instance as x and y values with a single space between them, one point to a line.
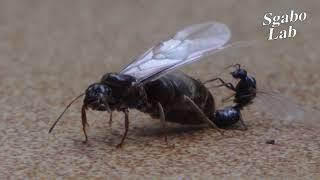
147 85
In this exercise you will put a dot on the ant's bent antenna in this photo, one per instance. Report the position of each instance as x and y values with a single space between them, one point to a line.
54 124
233 65
227 67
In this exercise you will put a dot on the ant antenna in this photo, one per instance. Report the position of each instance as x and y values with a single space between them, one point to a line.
233 65
67 107
214 79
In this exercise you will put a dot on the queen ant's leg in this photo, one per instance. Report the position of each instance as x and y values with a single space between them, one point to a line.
110 120
204 118
163 122
126 113
84 122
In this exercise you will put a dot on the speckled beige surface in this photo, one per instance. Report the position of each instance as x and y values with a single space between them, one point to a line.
52 50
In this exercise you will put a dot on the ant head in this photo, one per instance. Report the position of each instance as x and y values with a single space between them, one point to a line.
239 73
98 96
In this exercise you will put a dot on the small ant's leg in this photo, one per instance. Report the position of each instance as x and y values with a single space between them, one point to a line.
126 121
246 96
228 85
212 80
163 122
227 98
84 122
200 112
242 124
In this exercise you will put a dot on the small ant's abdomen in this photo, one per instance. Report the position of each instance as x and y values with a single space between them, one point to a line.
226 117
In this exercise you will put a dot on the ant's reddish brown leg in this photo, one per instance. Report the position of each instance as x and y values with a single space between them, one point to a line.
126 113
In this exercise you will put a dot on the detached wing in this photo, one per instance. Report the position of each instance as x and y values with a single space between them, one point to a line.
186 46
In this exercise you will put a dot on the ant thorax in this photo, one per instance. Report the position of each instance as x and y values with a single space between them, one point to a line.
135 96
126 92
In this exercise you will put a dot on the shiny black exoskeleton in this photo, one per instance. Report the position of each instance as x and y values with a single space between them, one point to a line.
246 87
118 92
227 116
245 92
174 97
149 83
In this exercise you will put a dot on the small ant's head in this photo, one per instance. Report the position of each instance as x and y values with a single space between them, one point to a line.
98 96
239 73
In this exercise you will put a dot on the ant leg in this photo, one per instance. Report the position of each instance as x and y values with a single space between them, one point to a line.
246 96
228 85
227 98
212 80
110 120
84 122
110 123
163 122
242 124
126 120
200 112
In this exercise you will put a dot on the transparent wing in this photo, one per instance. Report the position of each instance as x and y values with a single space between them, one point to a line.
186 46
284 110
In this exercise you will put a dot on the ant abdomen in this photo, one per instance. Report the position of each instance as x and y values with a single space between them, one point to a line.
227 116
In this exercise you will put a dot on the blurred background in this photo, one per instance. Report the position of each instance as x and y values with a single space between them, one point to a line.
51 51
